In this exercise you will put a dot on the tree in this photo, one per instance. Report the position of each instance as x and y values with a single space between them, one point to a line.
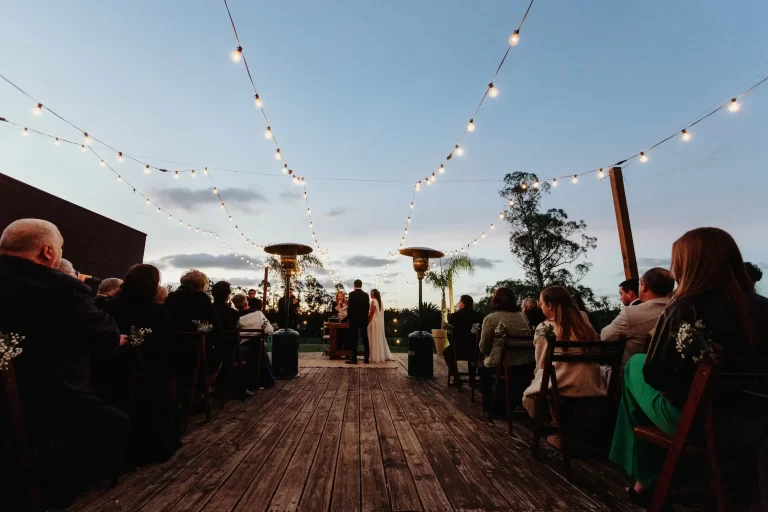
456 266
316 299
303 263
339 287
443 278
544 243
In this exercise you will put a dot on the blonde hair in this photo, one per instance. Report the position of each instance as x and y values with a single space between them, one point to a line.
240 301
195 279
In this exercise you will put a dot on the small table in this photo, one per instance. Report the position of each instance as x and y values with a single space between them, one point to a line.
333 333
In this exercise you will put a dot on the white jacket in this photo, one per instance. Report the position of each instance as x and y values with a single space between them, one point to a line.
635 322
255 320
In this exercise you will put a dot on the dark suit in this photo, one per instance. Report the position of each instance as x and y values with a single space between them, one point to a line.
359 305
54 372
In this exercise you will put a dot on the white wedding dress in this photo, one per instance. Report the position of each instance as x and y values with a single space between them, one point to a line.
377 339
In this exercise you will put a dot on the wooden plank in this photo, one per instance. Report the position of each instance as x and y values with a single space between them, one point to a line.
346 488
402 490
430 492
288 493
373 482
272 469
622 222
320 482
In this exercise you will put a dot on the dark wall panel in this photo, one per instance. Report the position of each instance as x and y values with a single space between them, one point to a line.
94 244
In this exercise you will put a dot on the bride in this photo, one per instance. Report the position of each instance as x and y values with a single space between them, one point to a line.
377 339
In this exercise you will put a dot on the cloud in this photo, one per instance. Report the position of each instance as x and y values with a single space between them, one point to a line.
654 262
485 262
245 282
365 261
288 197
205 261
336 212
190 200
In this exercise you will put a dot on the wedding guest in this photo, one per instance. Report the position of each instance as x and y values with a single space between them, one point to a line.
340 307
107 289
506 312
162 294
533 313
156 434
629 292
54 370
577 298
254 302
569 324
714 291
93 283
255 320
228 321
66 267
636 322
753 272
293 309
462 338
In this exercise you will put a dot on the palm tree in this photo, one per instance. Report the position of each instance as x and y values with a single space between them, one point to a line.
303 263
442 279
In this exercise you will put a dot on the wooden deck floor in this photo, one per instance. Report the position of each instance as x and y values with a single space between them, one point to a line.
358 438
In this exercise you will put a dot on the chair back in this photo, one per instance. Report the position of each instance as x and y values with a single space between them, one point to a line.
249 334
189 340
516 344
741 382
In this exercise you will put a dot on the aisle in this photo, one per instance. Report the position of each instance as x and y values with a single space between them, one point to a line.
357 438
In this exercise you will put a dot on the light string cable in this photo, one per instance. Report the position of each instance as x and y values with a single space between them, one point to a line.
237 55
490 91
684 135
121 156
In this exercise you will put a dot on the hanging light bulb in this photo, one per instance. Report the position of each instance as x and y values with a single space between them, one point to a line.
575 179
483 235
119 156
409 220
222 206
170 217
38 110
493 227
147 201
733 106
278 155
119 178
501 215
57 142
536 183
285 169
215 190
147 170
268 133
311 224
25 132
86 139
492 91
411 206
102 163
459 151
309 212
82 148
205 171
176 175
523 186
193 174
429 182
257 101
514 38
471 125
511 202
418 187
159 210
643 157
601 174
305 195
475 242
686 136
237 54
433 178
554 182
230 218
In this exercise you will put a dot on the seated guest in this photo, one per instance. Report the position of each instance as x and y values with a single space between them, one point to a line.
504 311
255 320
254 302
162 294
66 267
93 283
629 292
107 289
54 369
636 322
569 324
228 320
156 435
533 313
713 289
462 338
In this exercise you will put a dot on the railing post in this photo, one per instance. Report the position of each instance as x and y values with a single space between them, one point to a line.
622 221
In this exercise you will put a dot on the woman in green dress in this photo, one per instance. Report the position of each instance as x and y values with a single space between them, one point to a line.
713 289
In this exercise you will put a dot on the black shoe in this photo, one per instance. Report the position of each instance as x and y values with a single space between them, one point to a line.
352 362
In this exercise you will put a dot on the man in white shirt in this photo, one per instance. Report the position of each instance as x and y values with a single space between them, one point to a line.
635 321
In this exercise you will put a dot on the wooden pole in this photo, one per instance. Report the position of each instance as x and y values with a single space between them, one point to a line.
622 222
264 302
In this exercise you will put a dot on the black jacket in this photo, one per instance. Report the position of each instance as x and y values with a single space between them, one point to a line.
60 340
228 316
462 322
359 305
666 371
186 304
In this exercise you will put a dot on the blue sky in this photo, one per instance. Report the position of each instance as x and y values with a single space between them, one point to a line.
382 90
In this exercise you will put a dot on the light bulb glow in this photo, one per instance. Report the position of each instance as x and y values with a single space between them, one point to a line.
215 190
459 151
102 163
147 170
501 215
159 210
492 91
119 156
205 171
119 178
268 133
471 125
82 148
575 179
222 206
147 201
257 101
25 132
686 136
523 186
409 220
38 110
514 38
536 184
511 202
643 157
432 178
601 174
86 138
193 174
237 54
57 142
176 175
733 106
411 206
493 227
554 182
278 155
442 169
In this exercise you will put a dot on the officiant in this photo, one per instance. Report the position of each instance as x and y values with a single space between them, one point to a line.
340 311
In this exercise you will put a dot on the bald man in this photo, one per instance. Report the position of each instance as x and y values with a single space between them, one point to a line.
62 341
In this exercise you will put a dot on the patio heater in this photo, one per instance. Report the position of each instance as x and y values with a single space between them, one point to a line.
420 343
285 342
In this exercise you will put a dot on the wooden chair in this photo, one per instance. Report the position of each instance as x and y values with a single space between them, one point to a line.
135 373
607 353
472 366
191 345
731 381
252 334
512 344
29 477
473 383
326 337
224 387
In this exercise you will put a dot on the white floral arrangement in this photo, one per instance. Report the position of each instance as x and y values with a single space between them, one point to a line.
546 330
501 330
9 349
695 341
476 329
203 326
136 335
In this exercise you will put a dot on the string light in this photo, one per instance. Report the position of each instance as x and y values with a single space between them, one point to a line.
278 156
215 190
471 125
493 227
285 169
25 132
230 218
119 156
102 163
575 179
86 139
193 174
514 38
643 157
147 201
83 147
686 136
536 183
501 215
257 101
268 133
492 91
733 106
511 202
38 110
411 205
120 178
523 186
237 54
147 170
176 175
222 206
409 220
442 169
309 212
205 171
432 178
57 142
459 151
554 182
601 174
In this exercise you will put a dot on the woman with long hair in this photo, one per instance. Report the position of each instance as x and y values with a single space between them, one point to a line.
155 435
569 324
713 292
340 306
377 338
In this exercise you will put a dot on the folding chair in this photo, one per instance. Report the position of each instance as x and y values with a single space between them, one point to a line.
244 335
731 381
512 344
191 346
608 353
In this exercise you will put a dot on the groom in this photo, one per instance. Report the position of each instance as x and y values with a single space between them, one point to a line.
359 305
